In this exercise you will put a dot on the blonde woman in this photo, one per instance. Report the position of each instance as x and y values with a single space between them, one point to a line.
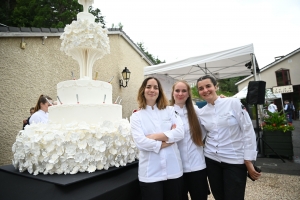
191 147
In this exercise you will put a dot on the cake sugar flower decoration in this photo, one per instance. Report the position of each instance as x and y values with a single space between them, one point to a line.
85 41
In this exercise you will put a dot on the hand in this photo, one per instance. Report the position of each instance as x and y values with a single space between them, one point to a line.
222 96
164 145
251 171
173 126
25 121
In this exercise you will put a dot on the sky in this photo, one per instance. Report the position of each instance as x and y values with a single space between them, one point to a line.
177 29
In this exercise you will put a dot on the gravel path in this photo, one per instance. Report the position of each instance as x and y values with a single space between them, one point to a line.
272 186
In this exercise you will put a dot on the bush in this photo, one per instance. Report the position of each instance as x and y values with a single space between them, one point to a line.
276 121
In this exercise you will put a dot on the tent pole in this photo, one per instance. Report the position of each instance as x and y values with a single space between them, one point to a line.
254 66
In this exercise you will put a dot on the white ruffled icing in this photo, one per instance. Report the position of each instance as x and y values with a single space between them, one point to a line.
74 147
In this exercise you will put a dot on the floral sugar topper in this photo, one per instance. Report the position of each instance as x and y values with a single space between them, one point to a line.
85 41
276 121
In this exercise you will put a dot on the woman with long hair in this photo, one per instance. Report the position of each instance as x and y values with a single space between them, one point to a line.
191 147
40 114
230 143
155 134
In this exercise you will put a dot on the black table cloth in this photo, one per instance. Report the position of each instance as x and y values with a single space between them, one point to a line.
113 184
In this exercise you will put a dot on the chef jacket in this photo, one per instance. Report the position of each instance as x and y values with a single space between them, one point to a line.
156 164
191 155
230 136
39 116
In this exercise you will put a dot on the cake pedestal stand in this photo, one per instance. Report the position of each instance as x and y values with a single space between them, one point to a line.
115 183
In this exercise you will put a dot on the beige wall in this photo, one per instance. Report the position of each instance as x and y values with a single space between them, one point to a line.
27 73
292 63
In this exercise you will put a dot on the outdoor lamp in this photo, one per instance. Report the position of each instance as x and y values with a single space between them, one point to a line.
126 77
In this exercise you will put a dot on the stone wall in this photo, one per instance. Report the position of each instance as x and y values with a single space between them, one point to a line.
28 73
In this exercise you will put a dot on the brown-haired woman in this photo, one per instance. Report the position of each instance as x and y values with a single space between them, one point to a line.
155 134
191 147
41 110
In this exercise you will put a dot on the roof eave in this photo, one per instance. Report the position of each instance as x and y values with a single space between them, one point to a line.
49 34
271 65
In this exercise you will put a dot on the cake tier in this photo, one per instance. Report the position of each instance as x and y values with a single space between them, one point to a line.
88 91
74 147
86 16
92 114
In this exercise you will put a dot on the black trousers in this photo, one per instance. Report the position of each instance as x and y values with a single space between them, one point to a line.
171 189
227 181
196 184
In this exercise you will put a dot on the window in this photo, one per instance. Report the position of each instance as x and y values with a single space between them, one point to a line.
283 77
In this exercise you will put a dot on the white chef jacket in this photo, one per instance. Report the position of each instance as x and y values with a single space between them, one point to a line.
39 116
157 164
191 155
230 134
272 107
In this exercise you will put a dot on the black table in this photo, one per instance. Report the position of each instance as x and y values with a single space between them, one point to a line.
112 184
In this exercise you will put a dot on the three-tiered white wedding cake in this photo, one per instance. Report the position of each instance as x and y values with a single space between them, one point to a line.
86 131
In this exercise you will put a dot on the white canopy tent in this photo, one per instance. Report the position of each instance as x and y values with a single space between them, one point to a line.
224 64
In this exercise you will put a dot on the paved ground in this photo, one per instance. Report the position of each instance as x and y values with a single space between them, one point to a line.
279 180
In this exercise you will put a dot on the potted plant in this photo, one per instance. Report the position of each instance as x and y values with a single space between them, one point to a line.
277 133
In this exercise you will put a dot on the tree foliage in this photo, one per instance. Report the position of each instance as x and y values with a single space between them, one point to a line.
6 9
150 56
44 13
97 13
227 87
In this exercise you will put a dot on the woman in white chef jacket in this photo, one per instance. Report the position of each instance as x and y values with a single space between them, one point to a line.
191 147
230 143
155 129
40 114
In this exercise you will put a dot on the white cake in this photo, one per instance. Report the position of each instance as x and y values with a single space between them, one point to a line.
86 132
82 136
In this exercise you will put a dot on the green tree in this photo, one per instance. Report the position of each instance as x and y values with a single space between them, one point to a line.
6 9
97 13
150 56
227 87
50 14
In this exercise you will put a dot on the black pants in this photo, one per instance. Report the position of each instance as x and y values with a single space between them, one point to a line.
227 181
163 190
196 184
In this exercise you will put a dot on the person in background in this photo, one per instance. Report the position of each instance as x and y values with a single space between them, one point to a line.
272 107
26 121
156 128
191 147
41 110
230 143
289 109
